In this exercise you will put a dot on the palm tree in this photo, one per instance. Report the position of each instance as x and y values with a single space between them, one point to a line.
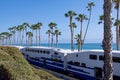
10 29
10 38
79 42
117 23
1 39
57 33
14 32
48 32
81 18
5 34
107 41
73 25
89 8
71 14
30 36
19 29
34 27
117 5
25 26
52 25
101 18
39 24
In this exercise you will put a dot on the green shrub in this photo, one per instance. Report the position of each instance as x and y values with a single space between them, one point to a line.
13 66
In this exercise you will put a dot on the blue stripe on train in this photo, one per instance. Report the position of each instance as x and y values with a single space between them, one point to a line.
80 70
56 64
50 59
47 65
82 76
76 73
52 62
58 68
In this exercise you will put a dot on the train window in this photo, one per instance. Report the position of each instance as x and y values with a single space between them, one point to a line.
70 62
36 58
32 50
40 51
101 57
44 51
48 52
83 65
94 57
37 51
26 49
30 58
76 63
116 59
76 55
56 53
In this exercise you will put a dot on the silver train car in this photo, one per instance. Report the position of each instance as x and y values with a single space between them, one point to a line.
84 65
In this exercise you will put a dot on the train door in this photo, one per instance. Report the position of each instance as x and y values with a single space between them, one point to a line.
98 73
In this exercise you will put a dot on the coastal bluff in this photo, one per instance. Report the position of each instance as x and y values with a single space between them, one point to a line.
13 66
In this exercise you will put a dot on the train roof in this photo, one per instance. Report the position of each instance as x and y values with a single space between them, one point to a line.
68 51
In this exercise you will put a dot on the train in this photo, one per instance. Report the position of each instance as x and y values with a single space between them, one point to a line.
84 65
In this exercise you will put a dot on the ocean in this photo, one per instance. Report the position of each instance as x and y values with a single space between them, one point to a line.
86 46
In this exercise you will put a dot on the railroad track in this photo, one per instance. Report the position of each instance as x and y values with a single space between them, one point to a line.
58 75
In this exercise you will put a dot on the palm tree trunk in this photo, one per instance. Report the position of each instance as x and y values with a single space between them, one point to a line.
26 35
28 41
39 37
48 40
11 40
14 39
81 36
2 42
117 31
117 37
52 39
36 38
107 41
71 30
72 38
87 26
31 41
22 37
17 37
56 41
79 45
6 41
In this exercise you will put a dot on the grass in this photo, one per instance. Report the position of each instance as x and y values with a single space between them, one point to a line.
13 66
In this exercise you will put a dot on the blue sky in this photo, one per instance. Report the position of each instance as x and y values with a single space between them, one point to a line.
16 12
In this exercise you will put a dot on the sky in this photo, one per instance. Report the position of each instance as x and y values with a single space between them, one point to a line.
16 12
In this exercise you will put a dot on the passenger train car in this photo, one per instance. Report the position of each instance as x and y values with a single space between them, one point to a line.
85 65
47 57
89 64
